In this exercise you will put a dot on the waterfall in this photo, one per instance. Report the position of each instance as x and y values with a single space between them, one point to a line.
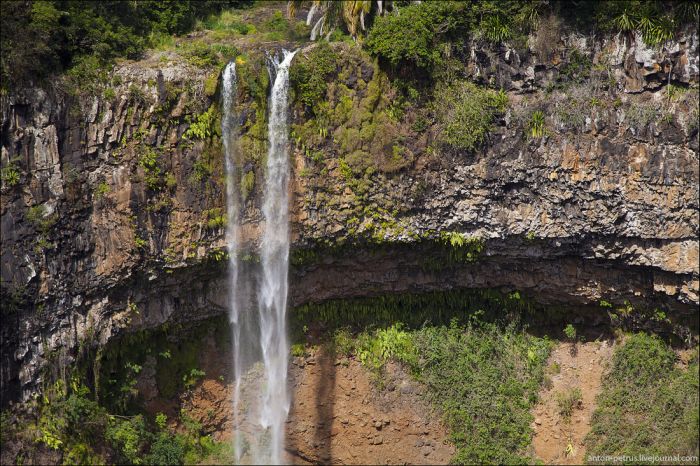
274 256
260 345
228 133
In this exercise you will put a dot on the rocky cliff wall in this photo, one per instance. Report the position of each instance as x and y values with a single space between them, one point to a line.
112 200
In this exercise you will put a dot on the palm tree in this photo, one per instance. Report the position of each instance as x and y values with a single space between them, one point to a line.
352 13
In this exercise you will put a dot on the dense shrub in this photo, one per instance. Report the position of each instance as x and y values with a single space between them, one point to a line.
166 450
374 349
485 379
85 432
309 75
417 34
412 36
641 360
656 20
647 405
466 112
129 437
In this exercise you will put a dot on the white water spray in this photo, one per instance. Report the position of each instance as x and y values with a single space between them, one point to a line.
274 255
228 133
260 397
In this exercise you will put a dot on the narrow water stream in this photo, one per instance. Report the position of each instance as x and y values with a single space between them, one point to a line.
228 135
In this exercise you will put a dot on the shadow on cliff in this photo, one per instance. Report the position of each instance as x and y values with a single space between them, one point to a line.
323 401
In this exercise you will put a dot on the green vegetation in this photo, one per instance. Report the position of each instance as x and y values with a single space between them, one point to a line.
115 430
201 170
253 84
382 232
577 68
373 349
647 404
462 249
211 83
216 218
190 379
109 94
495 28
640 116
536 126
177 365
278 27
298 350
69 420
86 433
41 220
10 175
44 36
101 190
482 373
202 54
413 310
568 401
149 161
228 21
655 20
483 377
204 126
233 23
309 75
247 184
433 26
570 332
426 24
364 125
170 181
140 243
466 112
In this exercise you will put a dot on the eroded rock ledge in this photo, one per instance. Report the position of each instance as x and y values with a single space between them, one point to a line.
95 243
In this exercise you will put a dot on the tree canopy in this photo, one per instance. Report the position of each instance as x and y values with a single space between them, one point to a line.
42 37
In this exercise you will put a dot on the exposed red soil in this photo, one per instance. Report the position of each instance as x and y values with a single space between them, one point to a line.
338 414
581 368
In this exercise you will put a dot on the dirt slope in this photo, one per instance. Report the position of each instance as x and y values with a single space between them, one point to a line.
338 415
583 369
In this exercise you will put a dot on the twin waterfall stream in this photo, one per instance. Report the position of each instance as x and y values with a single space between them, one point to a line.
259 337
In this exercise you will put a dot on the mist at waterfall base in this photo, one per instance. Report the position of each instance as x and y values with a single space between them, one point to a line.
258 295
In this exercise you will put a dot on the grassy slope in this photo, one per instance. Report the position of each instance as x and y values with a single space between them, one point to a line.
648 406
483 377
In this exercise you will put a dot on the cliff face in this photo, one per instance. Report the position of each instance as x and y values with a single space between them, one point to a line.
113 211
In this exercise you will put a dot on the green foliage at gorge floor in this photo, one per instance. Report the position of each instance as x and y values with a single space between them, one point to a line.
483 370
648 405
105 423
471 349
481 373
73 424
483 377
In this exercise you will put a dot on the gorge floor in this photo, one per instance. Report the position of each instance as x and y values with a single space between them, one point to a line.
559 439
338 414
